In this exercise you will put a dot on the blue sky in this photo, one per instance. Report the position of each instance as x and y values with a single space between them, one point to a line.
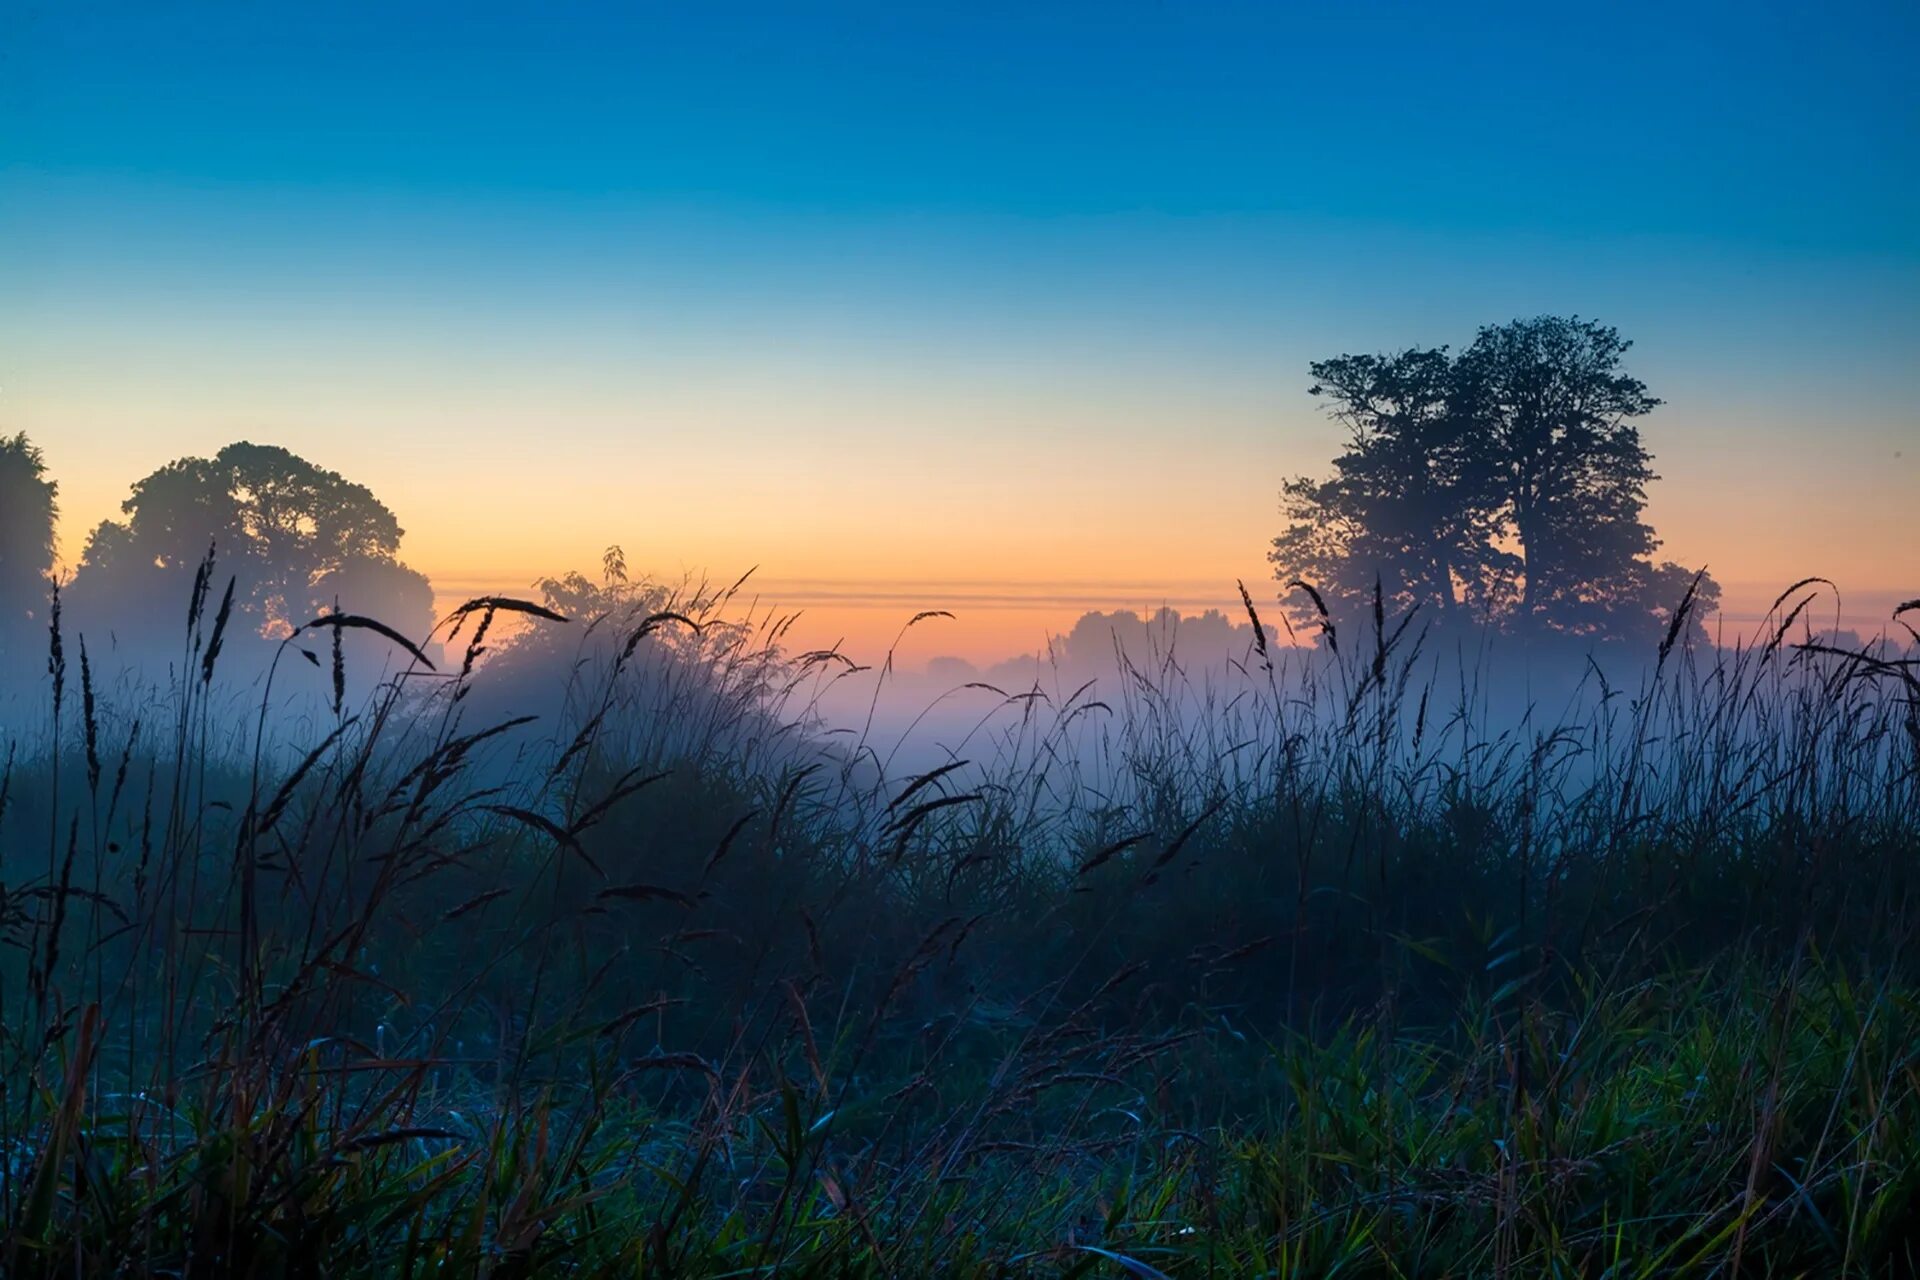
1052 271
1783 127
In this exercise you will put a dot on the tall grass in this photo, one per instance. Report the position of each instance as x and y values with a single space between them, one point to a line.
1328 962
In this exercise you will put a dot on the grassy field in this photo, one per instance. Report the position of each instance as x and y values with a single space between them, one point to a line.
1312 969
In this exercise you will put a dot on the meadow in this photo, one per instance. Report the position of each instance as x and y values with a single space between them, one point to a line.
1309 967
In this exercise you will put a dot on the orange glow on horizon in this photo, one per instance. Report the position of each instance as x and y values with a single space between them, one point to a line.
993 622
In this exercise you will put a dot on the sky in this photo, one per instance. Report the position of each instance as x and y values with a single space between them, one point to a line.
1000 308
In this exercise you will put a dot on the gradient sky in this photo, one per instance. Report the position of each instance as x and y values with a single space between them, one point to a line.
1000 307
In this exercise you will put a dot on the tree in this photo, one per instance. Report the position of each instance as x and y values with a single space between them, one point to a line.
29 505
1411 502
298 540
1503 486
1551 399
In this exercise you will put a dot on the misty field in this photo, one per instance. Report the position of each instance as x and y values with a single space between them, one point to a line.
1263 737
1310 966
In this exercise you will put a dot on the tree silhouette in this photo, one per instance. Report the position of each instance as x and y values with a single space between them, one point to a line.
29 504
1503 486
1558 411
296 537
1410 503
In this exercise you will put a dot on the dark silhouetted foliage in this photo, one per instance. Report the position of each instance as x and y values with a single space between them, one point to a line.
1503 486
298 539
29 504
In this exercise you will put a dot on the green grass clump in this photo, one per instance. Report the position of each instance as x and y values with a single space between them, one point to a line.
1304 972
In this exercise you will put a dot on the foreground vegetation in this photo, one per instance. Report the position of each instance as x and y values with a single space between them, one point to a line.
1306 970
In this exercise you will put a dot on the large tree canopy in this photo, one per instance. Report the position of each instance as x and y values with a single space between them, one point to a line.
298 539
28 507
1504 486
1410 502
